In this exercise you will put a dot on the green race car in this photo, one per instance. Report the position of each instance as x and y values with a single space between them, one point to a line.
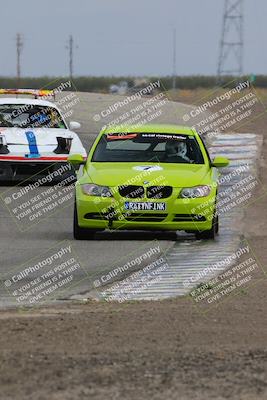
154 177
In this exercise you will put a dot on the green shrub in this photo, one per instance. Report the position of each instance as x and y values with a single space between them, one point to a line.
102 84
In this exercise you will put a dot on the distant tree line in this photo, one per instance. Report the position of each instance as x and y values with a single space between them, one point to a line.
102 84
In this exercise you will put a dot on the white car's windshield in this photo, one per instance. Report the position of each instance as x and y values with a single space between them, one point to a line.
148 147
30 116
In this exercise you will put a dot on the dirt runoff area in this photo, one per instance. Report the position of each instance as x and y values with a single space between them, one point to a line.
153 350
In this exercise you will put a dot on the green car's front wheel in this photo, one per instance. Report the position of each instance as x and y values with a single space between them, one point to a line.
211 233
78 232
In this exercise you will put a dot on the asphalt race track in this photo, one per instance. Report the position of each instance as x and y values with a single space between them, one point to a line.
98 257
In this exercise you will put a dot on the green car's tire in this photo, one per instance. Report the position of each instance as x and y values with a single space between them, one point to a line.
211 233
217 225
78 232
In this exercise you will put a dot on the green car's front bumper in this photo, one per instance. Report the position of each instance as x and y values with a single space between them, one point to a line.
180 214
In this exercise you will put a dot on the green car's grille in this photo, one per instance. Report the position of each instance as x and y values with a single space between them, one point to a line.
148 217
100 216
188 217
132 191
138 192
159 192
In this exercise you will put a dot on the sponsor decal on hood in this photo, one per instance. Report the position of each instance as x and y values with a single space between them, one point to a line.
148 168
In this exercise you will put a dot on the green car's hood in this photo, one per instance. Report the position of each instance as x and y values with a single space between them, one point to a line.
176 175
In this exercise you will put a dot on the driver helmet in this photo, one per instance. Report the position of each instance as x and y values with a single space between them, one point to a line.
181 149
174 148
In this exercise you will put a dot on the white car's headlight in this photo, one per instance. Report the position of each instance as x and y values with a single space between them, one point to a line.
194 192
95 190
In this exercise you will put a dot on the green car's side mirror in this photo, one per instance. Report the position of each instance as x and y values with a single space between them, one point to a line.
220 162
76 159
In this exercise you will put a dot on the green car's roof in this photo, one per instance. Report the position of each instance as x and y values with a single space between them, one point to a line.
151 128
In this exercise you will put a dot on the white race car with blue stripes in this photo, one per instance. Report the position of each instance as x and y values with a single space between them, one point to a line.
33 136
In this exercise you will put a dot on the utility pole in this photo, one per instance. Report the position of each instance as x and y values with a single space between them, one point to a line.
70 47
232 40
174 60
19 46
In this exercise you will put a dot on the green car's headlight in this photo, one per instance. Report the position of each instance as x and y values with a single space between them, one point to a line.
194 192
90 189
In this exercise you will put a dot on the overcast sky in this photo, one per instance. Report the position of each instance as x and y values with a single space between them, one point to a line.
125 37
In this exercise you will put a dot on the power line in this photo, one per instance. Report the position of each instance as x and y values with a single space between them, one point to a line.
232 40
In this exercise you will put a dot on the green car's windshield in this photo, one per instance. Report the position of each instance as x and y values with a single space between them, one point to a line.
148 147
30 116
